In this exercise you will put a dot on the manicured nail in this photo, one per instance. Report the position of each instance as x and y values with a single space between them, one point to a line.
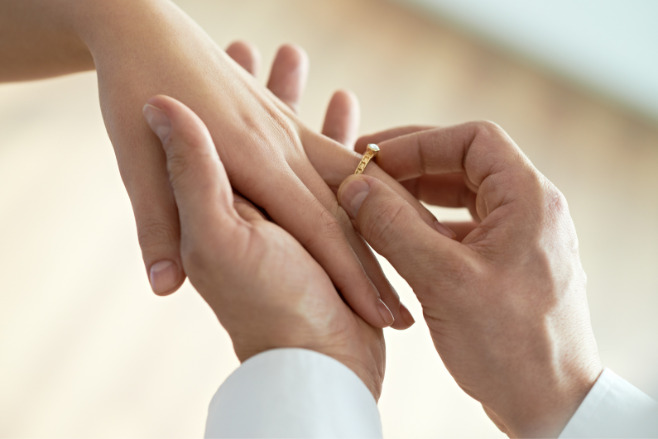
385 312
406 316
158 121
164 276
352 195
444 230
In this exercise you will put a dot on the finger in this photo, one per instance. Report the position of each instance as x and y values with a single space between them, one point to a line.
142 166
247 210
341 121
246 55
157 223
335 164
493 166
447 190
288 76
388 134
323 235
364 255
461 229
201 188
395 230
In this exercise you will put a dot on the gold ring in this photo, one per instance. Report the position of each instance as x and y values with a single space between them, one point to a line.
371 152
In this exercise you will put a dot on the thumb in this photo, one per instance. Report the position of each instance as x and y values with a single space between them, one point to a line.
201 187
395 229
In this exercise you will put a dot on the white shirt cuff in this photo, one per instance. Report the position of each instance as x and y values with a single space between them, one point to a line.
614 408
293 393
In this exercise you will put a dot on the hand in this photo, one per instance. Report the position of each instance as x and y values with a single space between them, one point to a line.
270 157
265 288
287 82
505 302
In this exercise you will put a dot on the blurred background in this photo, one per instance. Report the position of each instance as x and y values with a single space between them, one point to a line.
86 350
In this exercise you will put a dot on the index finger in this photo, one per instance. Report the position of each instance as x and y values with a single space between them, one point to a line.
492 164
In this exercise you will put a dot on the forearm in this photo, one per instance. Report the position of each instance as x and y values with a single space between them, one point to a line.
38 40
44 38
126 30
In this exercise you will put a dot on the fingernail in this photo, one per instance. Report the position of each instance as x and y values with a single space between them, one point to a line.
158 121
164 276
387 315
406 316
353 194
444 230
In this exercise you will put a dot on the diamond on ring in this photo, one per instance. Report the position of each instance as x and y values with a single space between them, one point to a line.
371 152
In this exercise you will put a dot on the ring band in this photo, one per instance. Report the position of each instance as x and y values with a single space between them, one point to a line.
371 152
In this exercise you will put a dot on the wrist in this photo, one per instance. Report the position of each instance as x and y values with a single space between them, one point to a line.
128 30
370 373
549 412
373 381
39 40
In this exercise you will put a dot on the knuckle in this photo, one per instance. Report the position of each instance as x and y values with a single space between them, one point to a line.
157 236
550 201
558 219
214 257
490 129
189 153
178 166
330 224
556 201
462 275
464 270
329 229
381 225
196 260
284 130
219 257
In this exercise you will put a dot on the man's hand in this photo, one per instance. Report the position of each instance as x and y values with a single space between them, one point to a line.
265 288
505 302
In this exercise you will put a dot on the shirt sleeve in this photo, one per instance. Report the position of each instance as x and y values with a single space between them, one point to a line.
293 393
614 408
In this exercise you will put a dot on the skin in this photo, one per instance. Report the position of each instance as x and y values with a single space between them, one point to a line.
505 342
141 48
267 273
505 302
313 317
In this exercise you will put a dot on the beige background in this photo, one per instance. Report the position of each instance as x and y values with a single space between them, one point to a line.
87 351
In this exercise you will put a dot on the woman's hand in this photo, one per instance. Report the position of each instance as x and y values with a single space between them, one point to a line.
145 48
266 289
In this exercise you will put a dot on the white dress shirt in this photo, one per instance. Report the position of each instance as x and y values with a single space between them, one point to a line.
614 408
300 393
293 393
